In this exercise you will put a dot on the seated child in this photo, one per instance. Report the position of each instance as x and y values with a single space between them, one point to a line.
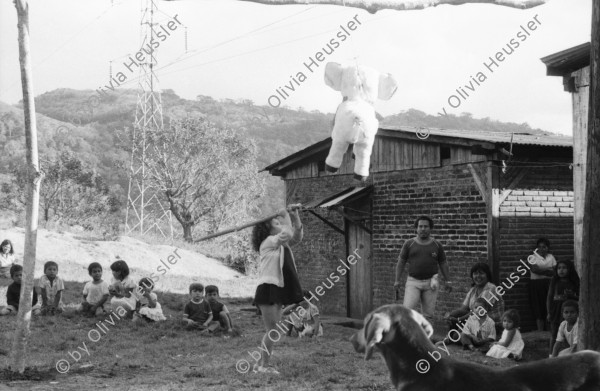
304 318
567 332
197 313
95 292
121 288
219 310
479 330
7 258
13 294
511 343
149 308
50 286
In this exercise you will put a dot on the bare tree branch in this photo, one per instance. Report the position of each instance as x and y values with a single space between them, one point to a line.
402 5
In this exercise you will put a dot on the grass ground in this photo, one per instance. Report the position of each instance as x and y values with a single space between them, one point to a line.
165 356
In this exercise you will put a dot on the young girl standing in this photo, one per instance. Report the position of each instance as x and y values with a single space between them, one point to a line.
121 287
7 258
511 343
564 286
278 279
541 262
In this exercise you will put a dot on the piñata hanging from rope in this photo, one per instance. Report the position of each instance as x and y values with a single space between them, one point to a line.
355 119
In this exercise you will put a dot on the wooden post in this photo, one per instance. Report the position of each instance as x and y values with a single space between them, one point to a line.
581 100
32 191
589 315
493 212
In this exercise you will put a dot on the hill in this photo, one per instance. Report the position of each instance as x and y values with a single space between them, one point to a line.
92 128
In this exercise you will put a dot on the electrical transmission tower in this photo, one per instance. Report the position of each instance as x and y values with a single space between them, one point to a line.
145 209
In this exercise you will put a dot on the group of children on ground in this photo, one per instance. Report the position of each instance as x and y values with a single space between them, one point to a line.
479 331
201 312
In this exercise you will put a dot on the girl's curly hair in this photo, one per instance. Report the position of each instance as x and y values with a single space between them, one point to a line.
260 232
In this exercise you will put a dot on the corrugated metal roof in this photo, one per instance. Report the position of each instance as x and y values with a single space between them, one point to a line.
492 137
567 61
467 135
337 198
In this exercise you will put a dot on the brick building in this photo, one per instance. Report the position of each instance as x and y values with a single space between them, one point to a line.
485 206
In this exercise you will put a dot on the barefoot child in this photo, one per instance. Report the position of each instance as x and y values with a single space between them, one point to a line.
149 308
304 319
95 292
121 288
479 330
511 343
219 310
197 313
278 282
13 294
50 285
567 332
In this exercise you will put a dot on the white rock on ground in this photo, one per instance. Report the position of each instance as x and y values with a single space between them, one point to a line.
73 254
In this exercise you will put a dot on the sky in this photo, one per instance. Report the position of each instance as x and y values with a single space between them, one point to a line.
243 50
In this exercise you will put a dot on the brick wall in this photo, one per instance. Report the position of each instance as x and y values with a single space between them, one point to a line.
541 206
319 253
451 198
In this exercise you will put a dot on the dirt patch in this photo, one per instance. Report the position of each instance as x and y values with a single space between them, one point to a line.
30 374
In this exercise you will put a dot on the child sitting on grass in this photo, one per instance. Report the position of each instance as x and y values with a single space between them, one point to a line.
121 288
50 285
566 339
511 343
13 294
479 330
304 318
149 308
197 313
219 310
95 292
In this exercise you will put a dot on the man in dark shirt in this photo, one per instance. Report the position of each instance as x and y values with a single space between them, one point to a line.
424 256
13 294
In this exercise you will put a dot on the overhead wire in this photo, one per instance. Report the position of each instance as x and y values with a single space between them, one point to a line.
70 39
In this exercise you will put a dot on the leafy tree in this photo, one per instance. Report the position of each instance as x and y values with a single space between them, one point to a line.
207 173
68 192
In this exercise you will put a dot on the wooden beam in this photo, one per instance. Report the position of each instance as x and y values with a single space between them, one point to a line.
589 315
352 219
481 183
580 100
516 180
373 6
493 220
323 219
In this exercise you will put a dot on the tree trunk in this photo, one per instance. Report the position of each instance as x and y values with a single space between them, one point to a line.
183 217
32 191
187 232
589 311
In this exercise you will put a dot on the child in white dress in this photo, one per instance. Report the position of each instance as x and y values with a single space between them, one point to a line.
149 308
511 343
121 288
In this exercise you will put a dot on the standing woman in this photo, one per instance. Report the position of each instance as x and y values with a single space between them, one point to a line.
7 258
278 282
542 269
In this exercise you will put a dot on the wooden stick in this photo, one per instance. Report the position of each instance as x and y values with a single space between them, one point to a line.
235 229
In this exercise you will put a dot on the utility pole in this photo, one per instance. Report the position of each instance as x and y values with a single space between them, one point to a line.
145 210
